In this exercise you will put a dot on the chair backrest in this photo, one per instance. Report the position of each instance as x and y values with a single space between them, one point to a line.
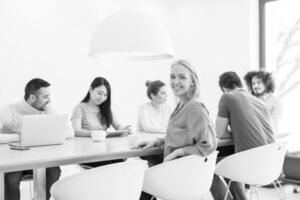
258 166
110 182
187 178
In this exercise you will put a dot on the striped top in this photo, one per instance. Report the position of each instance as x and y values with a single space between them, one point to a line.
90 117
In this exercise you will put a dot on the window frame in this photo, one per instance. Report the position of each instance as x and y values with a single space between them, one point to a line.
262 31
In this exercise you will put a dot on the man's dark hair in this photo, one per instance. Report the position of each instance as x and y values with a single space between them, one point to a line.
33 86
248 79
266 78
230 80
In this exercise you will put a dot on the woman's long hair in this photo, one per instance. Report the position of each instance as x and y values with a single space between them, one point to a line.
105 107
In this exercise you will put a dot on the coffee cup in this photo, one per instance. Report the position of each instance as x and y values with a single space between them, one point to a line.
132 139
98 136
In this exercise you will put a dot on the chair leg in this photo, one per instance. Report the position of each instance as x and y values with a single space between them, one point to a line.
228 190
257 193
251 191
281 197
227 187
30 190
284 192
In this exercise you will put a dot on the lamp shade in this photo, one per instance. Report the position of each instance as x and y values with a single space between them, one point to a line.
131 35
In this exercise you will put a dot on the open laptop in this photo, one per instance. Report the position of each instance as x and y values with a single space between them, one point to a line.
41 130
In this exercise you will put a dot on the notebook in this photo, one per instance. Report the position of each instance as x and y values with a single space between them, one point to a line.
41 130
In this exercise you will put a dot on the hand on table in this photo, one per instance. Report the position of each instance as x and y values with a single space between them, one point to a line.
175 154
146 144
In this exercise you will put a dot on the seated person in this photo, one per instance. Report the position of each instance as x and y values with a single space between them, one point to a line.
248 118
190 128
261 85
36 100
154 115
94 112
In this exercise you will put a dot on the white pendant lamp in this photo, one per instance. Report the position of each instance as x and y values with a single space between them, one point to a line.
131 35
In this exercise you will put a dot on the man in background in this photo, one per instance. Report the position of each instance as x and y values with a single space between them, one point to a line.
261 85
247 117
36 100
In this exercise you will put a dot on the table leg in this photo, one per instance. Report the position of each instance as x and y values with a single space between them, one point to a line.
39 183
1 185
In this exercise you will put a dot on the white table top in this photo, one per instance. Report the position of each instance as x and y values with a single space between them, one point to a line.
76 150
72 151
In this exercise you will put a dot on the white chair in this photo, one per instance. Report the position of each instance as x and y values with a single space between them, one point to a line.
110 182
257 167
187 178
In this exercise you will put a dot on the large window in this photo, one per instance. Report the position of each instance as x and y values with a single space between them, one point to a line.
280 54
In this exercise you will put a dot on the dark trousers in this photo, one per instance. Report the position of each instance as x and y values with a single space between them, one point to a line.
12 182
218 188
146 196
238 191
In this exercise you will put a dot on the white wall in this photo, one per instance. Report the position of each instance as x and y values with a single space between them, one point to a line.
217 36
50 39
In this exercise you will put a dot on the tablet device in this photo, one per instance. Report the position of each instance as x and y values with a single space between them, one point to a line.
118 133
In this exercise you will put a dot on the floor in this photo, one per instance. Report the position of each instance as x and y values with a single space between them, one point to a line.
266 193
270 194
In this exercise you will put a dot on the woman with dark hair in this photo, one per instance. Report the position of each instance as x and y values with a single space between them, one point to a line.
154 115
94 112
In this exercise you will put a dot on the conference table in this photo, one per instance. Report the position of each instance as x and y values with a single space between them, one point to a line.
73 151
